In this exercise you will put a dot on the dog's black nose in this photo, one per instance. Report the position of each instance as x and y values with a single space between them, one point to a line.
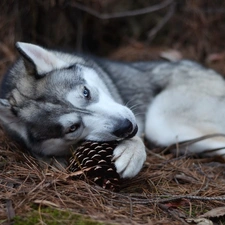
125 129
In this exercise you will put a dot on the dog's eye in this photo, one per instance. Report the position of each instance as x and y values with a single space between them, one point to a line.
73 128
86 93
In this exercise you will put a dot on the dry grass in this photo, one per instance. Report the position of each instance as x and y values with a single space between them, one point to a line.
145 199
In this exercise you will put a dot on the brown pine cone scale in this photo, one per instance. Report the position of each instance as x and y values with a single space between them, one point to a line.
95 160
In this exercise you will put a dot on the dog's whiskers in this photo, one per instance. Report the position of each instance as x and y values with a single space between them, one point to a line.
127 104
134 106
141 113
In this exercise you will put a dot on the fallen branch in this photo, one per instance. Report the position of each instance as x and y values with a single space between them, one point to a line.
152 33
136 12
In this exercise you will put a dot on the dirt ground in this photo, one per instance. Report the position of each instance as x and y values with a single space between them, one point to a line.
170 189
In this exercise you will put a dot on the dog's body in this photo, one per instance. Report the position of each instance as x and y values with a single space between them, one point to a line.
51 100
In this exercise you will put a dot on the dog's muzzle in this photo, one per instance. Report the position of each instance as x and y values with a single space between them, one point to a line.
126 130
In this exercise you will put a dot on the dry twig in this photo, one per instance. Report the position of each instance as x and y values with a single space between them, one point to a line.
136 12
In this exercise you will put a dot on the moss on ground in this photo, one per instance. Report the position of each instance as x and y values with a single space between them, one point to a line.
53 216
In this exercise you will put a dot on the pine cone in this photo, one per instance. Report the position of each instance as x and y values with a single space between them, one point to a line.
95 160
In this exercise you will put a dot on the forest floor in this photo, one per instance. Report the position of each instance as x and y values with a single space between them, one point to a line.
169 190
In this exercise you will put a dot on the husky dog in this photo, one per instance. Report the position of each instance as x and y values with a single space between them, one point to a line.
51 100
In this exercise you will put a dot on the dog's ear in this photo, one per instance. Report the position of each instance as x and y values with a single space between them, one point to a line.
38 60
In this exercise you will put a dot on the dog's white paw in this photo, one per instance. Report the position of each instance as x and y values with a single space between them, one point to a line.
129 157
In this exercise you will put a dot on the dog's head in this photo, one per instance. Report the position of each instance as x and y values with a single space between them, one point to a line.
57 99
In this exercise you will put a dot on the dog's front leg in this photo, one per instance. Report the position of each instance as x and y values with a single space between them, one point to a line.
129 157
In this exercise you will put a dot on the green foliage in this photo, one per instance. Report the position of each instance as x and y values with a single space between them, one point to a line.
53 216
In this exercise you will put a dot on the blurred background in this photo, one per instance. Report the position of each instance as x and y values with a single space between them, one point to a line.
118 29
